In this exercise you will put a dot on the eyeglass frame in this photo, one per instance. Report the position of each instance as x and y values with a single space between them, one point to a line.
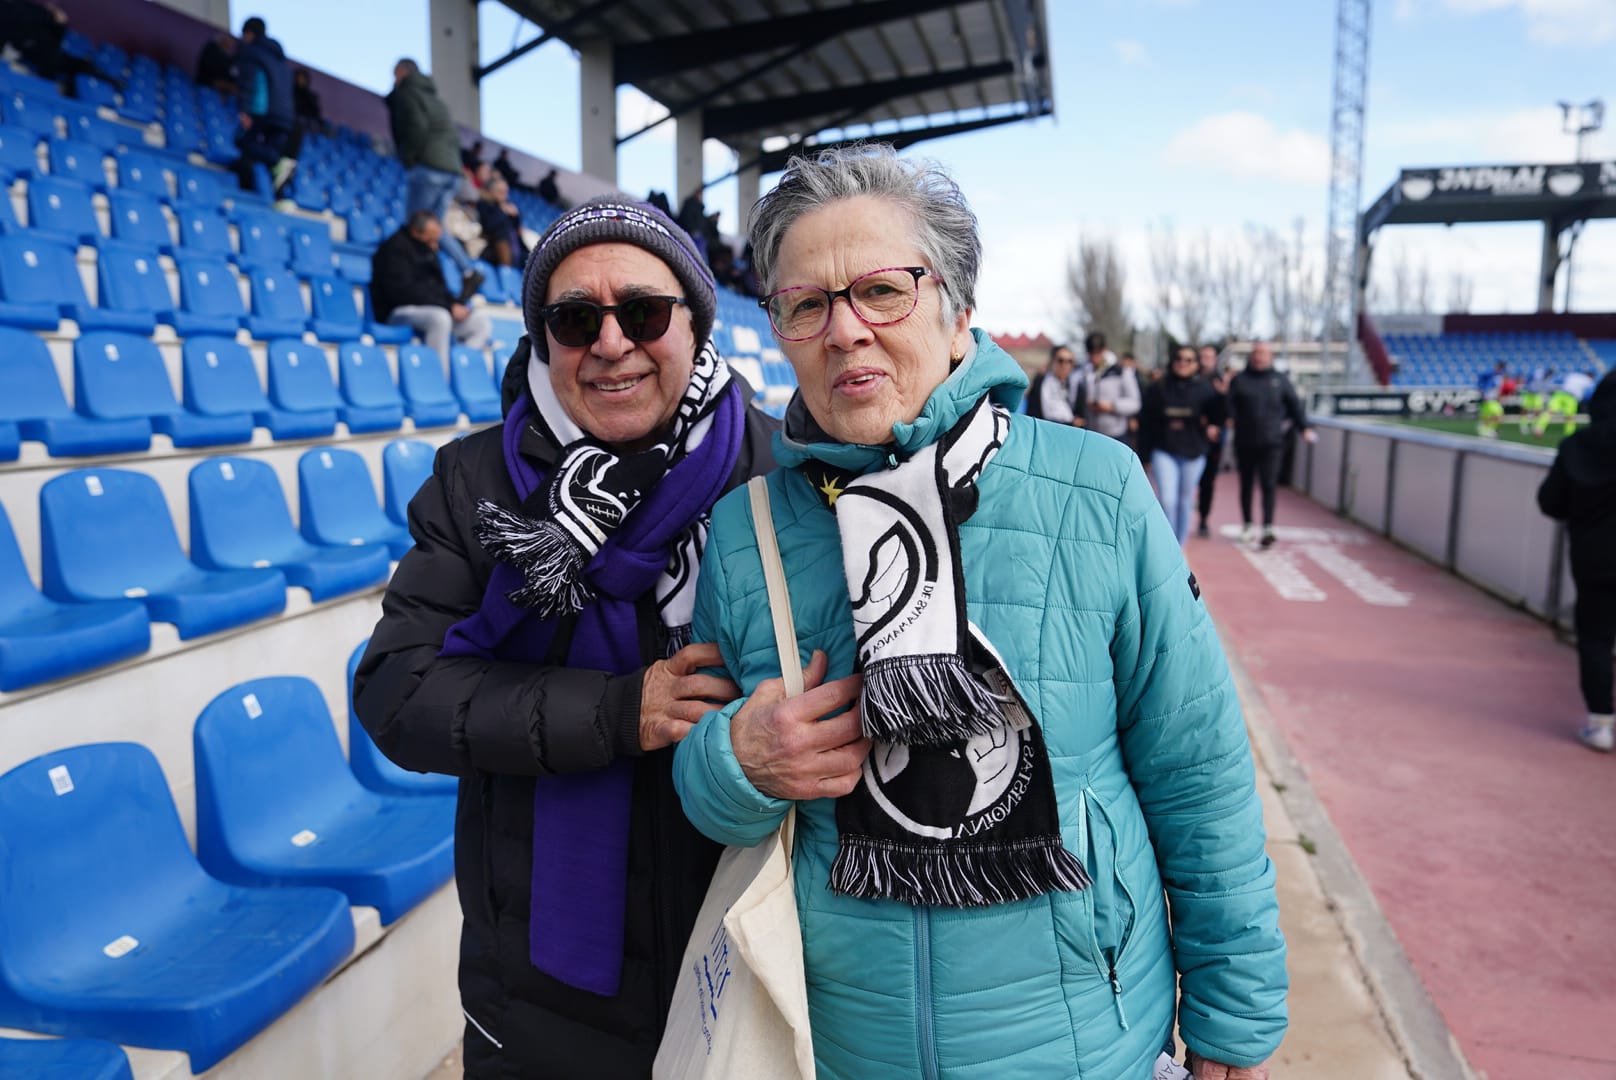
846 293
602 310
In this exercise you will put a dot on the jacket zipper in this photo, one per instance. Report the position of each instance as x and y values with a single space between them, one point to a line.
923 1017
1107 966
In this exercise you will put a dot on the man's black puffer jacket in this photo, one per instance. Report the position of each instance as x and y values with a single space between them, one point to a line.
497 725
1259 404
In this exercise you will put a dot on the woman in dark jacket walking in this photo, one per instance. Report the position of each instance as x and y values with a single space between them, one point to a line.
536 643
1177 425
1581 491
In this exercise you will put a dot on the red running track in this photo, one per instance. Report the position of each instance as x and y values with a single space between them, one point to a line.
1435 724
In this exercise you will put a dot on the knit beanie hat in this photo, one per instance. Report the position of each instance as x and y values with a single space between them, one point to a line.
608 219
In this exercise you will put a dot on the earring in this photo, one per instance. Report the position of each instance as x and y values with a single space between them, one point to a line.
956 357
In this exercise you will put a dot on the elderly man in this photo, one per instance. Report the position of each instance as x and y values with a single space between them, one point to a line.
407 288
1261 400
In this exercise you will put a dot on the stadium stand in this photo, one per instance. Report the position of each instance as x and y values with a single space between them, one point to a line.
406 464
338 506
427 397
118 376
473 384
1459 359
374 402
31 400
64 1059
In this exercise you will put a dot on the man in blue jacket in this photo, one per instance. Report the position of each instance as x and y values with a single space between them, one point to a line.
265 108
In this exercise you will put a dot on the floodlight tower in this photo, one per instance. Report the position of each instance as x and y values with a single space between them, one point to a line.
1341 256
1582 121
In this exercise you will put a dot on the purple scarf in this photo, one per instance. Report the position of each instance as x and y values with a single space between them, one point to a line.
581 820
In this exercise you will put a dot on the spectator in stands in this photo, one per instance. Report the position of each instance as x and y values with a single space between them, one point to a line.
471 156
1212 374
216 64
502 225
506 168
1261 401
306 103
1581 491
36 31
428 146
407 288
265 111
1176 426
938 900
1113 391
549 192
1059 394
536 643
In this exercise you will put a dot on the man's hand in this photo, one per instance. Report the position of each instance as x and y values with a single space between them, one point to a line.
459 313
1212 433
1103 406
1310 436
674 696
786 751
1202 1069
245 120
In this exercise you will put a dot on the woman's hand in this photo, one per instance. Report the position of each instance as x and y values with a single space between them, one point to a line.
786 751
674 696
1202 1069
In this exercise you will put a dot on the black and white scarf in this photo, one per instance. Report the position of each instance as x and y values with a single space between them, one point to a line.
957 804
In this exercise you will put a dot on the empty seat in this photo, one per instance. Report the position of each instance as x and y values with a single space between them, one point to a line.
510 279
203 231
119 376
25 110
41 639
375 769
384 333
493 286
427 397
61 210
311 248
98 869
64 1059
221 379
373 399
106 534
263 236
32 402
210 300
195 184
132 281
337 503
473 384
336 315
239 520
72 159
389 852
277 303
363 231
39 277
406 464
300 384
137 218
18 157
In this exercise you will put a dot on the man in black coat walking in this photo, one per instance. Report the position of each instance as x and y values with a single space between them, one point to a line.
1261 400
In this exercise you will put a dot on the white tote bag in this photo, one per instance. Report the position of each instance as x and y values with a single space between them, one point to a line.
740 1008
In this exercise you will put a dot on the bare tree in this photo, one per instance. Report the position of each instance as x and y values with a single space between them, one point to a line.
1461 291
1097 281
1291 282
1411 285
1195 288
1164 274
1237 286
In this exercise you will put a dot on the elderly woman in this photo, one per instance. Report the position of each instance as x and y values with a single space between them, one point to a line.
1039 759
536 643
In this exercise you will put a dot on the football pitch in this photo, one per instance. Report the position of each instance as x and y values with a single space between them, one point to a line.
1509 430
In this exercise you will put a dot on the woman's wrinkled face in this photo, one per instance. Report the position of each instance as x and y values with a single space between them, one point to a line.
622 392
858 380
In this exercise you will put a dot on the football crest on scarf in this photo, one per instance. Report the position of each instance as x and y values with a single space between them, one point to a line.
984 780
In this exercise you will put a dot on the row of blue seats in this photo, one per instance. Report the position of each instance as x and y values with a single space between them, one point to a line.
111 561
199 952
122 393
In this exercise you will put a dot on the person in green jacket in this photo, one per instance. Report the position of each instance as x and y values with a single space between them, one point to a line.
1028 830
428 145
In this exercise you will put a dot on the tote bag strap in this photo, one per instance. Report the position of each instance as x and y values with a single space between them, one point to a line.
785 627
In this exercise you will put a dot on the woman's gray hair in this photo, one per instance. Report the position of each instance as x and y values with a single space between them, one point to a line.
945 229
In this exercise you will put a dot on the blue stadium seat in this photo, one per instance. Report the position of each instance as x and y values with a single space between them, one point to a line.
18 157
210 301
195 184
41 639
373 399
132 281
363 232
510 279
32 402
389 852
451 272
137 218
118 376
311 248
301 387
98 867
10 441
336 315
61 210
108 136
277 303
427 397
26 110
474 384
203 231
64 1059
493 286
337 503
106 534
239 520
406 464
264 238
220 378
384 333
353 268
375 769
28 293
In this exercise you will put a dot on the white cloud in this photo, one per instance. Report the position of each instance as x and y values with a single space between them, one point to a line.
1553 22
1130 52
1247 145
1514 135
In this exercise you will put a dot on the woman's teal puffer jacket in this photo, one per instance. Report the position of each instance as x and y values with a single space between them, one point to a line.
1074 575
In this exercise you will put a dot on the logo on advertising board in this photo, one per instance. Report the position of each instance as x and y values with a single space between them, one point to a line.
1508 181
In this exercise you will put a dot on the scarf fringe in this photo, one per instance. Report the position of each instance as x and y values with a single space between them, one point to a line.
544 553
678 638
954 875
927 700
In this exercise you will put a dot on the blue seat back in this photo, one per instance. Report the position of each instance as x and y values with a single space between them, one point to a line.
17 593
493 286
117 376
62 206
451 272
420 376
29 388
406 464
203 230
472 378
17 150
336 496
208 287
365 379
510 278
102 528
263 237
106 136
193 183
275 294
311 248
363 229
137 218
133 280
238 511
333 302
38 271
300 377
25 110
140 171
219 377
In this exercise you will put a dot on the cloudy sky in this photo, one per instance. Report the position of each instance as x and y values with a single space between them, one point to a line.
1210 115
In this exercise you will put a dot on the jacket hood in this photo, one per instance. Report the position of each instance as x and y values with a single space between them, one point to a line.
986 369
418 82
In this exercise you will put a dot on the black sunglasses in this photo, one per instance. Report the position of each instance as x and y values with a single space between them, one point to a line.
577 323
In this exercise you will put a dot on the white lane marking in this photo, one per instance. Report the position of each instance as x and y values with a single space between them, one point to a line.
1297 534
1278 568
1358 578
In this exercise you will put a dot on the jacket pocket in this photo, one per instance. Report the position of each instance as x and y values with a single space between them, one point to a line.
1109 901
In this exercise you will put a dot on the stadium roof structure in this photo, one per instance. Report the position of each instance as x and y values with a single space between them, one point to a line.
781 74
1494 193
